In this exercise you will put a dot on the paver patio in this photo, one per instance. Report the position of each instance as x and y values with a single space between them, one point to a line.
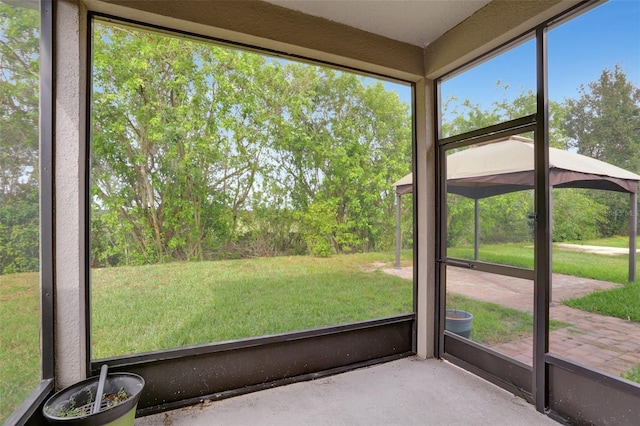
606 343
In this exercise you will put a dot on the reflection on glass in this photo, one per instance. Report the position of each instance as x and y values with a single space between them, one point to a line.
19 206
594 221
238 195
497 90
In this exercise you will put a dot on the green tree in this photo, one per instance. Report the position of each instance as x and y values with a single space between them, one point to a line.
19 93
603 123
201 152
504 218
346 142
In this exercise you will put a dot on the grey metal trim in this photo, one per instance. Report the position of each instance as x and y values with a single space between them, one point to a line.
603 377
542 228
441 240
416 196
47 189
263 386
29 410
633 235
499 369
198 350
230 370
507 128
493 268
584 396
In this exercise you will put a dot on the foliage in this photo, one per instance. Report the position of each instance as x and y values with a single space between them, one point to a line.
468 116
503 218
576 215
603 124
199 151
19 83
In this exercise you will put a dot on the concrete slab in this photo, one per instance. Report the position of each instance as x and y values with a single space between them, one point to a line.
409 391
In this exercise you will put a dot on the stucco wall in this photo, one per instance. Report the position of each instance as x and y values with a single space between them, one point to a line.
70 149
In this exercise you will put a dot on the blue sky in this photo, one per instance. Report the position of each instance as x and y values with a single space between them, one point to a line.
578 52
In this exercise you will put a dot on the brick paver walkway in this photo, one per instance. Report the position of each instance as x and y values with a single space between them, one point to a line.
606 343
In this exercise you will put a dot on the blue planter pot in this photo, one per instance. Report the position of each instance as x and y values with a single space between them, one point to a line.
458 322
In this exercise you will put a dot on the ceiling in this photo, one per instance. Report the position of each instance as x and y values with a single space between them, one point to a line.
417 22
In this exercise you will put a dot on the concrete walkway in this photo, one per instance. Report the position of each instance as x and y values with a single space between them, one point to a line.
606 343
409 391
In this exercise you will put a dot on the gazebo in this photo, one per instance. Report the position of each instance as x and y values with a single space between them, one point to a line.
482 172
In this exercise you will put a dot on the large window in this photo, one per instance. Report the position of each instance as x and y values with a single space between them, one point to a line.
235 194
487 235
594 90
491 214
22 365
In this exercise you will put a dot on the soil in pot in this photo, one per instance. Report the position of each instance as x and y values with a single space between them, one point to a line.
73 405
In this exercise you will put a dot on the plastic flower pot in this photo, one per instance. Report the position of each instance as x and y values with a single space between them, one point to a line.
458 322
74 405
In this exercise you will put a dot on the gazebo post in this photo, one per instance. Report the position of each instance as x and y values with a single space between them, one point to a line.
633 235
476 230
398 230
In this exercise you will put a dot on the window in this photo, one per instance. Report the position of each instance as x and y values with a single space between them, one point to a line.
26 301
236 194
500 89
594 88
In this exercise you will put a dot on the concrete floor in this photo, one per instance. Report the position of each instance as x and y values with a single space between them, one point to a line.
409 391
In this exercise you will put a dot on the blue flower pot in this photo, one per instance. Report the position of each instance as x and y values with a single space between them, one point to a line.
458 322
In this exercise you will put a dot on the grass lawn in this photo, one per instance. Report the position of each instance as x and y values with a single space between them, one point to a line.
588 265
622 302
19 339
494 324
618 241
146 308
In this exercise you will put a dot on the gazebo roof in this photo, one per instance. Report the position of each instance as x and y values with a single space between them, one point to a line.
507 165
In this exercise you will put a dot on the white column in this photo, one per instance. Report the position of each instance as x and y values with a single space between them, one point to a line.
70 150
424 196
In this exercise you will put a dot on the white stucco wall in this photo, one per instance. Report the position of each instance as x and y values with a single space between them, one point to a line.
70 153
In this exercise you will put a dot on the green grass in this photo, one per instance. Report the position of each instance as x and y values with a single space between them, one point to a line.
613 269
145 308
19 339
616 241
494 324
633 374
622 302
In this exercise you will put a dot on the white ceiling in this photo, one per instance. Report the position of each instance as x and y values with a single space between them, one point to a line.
417 22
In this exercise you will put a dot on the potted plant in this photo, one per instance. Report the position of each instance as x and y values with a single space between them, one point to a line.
108 399
458 322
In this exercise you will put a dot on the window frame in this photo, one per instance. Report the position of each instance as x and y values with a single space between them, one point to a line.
34 401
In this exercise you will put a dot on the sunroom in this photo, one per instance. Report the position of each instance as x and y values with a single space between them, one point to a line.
200 193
